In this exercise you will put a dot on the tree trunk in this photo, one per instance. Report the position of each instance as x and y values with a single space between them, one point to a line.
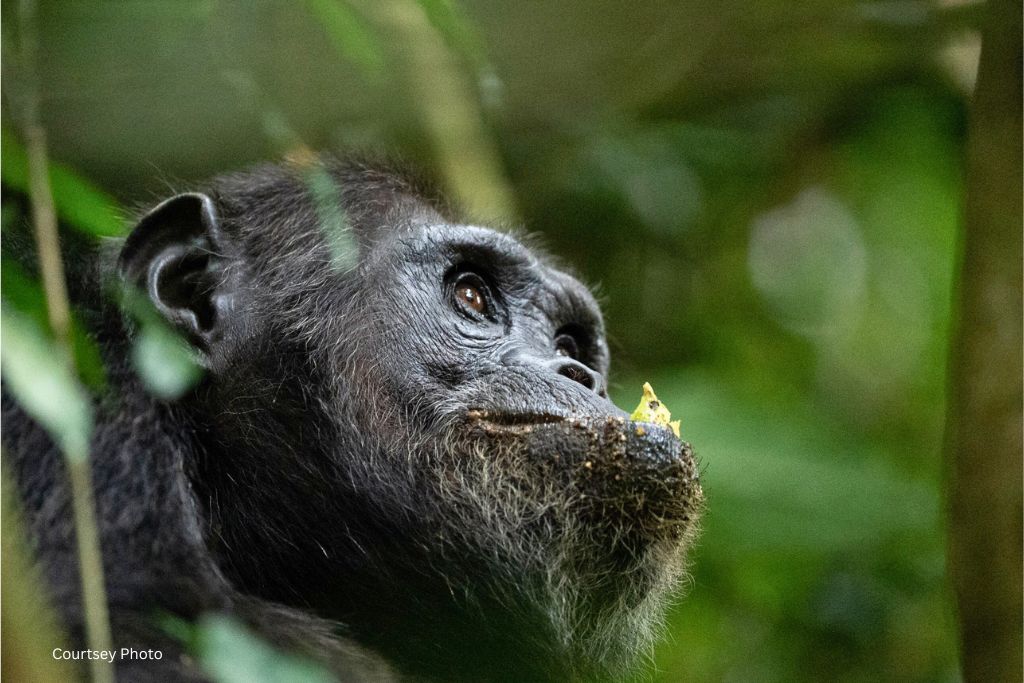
985 403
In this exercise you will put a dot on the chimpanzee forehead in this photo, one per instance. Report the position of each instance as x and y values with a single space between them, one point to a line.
488 248
470 239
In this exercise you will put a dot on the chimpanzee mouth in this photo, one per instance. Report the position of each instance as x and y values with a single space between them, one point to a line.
498 419
524 422
615 468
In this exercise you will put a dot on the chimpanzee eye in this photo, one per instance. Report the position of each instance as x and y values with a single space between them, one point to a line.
565 345
469 294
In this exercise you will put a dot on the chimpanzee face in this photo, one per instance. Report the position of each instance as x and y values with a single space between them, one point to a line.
433 419
478 374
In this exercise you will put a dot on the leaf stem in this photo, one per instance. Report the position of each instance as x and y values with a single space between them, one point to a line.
44 218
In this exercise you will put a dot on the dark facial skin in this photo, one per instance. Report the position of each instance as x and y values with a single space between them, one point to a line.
416 446
480 321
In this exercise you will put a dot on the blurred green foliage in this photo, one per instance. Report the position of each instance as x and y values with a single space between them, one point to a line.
164 361
766 195
21 292
45 384
231 653
81 204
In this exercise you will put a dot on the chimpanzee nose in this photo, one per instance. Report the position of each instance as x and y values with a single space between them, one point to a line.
580 373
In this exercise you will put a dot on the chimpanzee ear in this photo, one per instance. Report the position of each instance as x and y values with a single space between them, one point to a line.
176 256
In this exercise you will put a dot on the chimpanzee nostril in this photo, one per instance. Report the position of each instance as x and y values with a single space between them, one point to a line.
578 372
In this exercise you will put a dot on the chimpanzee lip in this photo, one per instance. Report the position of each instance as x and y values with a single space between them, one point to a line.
512 419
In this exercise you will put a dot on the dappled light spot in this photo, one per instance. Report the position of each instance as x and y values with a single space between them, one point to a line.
808 261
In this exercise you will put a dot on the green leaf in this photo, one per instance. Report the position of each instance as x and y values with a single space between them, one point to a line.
80 203
44 385
332 219
350 34
164 361
458 32
25 294
231 653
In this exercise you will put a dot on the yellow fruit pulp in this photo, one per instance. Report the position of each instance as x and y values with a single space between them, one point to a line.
653 410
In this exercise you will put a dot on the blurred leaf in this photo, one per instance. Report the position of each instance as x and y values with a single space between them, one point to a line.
44 384
164 361
350 34
26 295
23 293
331 216
463 39
233 654
458 32
78 201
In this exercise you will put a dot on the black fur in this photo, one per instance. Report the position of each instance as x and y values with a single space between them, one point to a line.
368 473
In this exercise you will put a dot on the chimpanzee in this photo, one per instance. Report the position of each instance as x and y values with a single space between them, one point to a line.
402 463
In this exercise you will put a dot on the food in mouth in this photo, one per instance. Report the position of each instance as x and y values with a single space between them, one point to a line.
654 411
